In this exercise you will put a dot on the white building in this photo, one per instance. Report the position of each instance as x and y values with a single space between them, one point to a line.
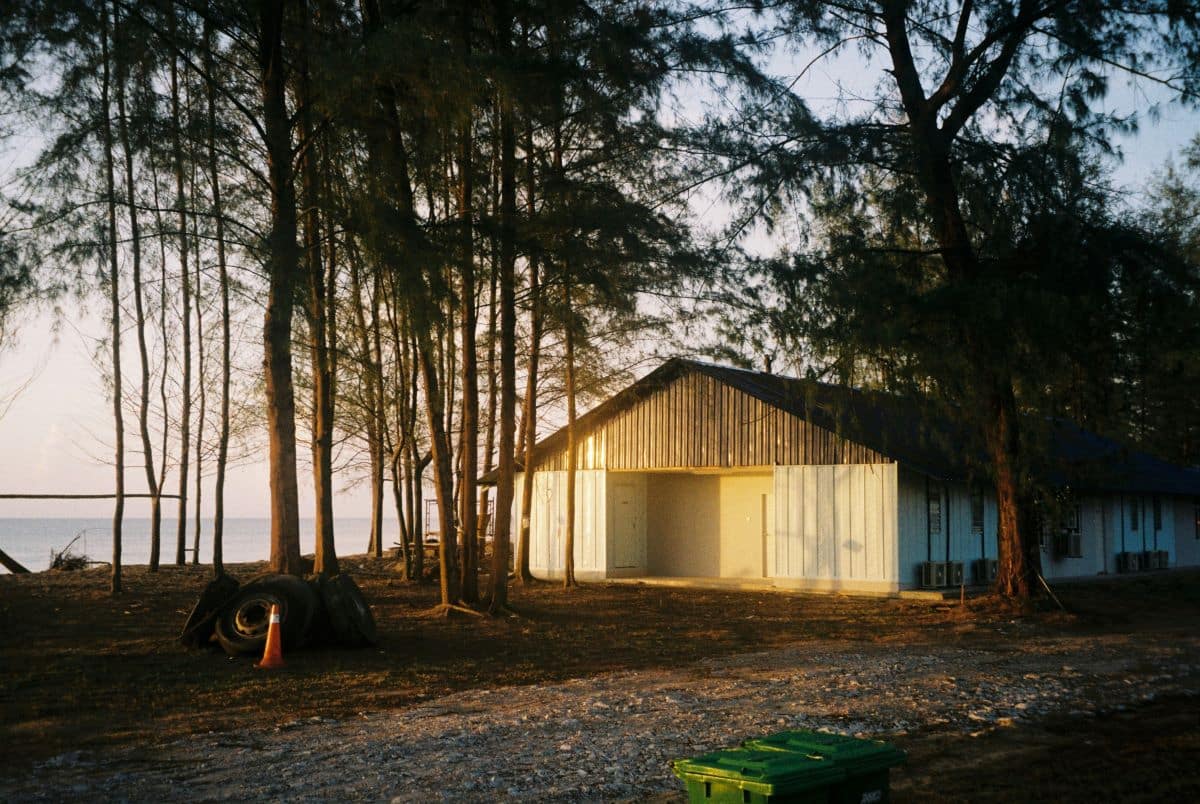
700 471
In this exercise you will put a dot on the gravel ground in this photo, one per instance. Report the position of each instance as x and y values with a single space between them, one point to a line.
611 737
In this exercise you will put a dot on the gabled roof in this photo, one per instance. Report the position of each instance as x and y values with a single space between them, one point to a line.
908 430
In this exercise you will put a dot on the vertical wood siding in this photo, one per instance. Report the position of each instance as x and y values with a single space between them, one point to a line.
835 523
547 522
698 422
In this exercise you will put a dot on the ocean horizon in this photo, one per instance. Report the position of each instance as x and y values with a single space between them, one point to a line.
32 540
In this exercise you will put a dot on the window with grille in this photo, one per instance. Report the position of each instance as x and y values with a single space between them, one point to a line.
977 511
934 508
1069 540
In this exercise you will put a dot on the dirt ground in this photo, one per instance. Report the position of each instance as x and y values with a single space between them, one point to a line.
1097 704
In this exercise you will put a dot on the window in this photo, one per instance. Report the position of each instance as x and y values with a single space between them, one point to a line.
1069 539
1157 503
934 508
1044 530
977 511
1071 517
1134 514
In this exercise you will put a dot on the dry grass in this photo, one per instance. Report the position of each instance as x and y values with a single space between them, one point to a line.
79 669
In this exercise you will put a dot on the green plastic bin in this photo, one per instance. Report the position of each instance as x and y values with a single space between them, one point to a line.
866 763
739 775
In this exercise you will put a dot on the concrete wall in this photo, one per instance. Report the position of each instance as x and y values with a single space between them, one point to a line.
683 525
706 526
835 527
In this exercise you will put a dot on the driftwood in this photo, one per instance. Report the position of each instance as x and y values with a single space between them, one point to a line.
64 559
11 564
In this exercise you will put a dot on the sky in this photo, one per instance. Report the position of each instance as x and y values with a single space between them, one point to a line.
55 434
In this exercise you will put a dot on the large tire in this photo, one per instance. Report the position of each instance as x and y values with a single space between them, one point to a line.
202 622
349 615
242 626
321 632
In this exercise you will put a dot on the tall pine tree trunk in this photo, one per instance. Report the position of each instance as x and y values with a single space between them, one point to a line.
404 432
163 310
414 468
222 268
931 146
572 441
114 280
489 449
508 326
186 299
443 469
389 159
135 249
325 557
1020 560
468 512
529 416
378 415
282 268
202 385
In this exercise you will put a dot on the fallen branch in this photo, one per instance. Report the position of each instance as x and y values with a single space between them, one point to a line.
1051 593
12 565
446 609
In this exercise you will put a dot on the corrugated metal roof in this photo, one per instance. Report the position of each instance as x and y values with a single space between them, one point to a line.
909 430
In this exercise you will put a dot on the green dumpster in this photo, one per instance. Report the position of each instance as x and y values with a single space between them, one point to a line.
866 763
737 775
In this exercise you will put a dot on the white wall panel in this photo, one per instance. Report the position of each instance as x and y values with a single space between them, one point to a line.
912 512
547 529
835 523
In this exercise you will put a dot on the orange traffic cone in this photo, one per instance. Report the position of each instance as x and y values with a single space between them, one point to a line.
273 655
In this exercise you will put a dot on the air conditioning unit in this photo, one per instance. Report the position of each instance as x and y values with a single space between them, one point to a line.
954 573
984 571
1157 559
933 574
1128 562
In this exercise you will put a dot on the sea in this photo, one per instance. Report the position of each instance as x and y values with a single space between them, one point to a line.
32 542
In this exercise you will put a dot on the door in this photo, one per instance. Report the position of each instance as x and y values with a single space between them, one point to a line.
629 527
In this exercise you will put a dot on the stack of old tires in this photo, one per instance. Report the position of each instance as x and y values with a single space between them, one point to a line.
317 611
